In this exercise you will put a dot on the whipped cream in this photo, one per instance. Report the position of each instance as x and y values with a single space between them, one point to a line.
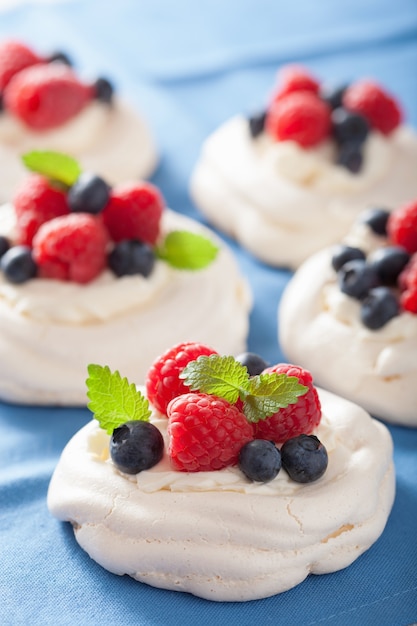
112 141
320 328
217 535
283 202
51 330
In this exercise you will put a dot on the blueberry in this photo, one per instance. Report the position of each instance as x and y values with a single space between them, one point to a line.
257 123
89 194
130 257
377 220
389 263
333 96
304 458
59 56
260 460
18 265
378 308
356 278
253 363
350 156
136 446
104 90
342 254
4 245
349 127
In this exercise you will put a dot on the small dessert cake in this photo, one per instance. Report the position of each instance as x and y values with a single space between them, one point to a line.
45 105
92 272
292 179
223 479
350 315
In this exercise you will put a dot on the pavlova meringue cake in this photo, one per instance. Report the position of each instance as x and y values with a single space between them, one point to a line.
291 180
108 274
349 315
202 499
45 105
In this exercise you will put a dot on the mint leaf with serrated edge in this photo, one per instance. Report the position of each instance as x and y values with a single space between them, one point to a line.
217 375
225 377
55 165
114 400
186 250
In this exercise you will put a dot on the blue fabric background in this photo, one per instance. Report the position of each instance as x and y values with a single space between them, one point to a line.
189 66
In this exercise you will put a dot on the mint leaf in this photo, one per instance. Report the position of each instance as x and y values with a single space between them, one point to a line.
270 392
187 251
54 165
217 375
113 400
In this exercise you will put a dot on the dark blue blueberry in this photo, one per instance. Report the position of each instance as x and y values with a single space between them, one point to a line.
356 278
89 194
59 56
378 308
104 90
132 257
17 264
333 96
254 363
349 127
350 156
136 446
304 458
257 123
389 262
376 219
342 254
260 460
4 245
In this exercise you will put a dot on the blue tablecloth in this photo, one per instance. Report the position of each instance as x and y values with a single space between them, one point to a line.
189 66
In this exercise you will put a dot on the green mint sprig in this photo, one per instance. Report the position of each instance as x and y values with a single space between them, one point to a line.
186 250
261 395
114 400
54 165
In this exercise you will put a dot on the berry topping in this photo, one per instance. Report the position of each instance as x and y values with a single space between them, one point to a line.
388 263
368 99
342 254
132 257
408 300
18 264
356 278
408 277
301 117
350 156
35 203
134 212
349 127
377 220
301 417
333 96
89 194
378 307
304 458
254 363
260 460
4 245
293 78
402 227
46 96
103 90
76 243
136 446
206 433
14 57
257 123
163 382
59 57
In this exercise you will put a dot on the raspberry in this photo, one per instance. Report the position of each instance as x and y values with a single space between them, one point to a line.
380 109
72 247
295 78
408 277
295 419
37 202
299 116
46 96
14 57
402 227
134 212
206 433
163 382
408 300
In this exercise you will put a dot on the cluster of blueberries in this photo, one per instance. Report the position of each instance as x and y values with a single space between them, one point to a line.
349 130
372 280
